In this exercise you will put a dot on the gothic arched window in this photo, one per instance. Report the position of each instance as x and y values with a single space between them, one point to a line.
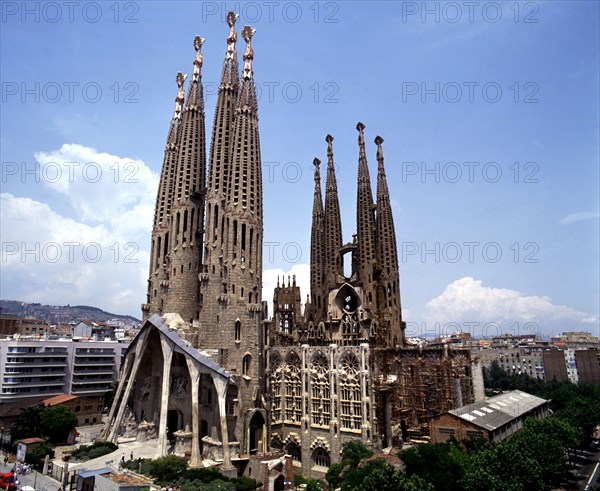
293 389
276 386
321 457
294 450
321 390
350 392
246 363
238 330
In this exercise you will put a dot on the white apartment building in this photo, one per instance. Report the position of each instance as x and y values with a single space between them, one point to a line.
43 368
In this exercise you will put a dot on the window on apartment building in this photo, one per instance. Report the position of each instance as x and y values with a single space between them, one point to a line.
446 431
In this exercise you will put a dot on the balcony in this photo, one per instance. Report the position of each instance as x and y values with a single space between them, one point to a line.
99 363
106 372
38 383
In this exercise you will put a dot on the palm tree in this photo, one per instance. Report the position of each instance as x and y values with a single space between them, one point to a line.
29 423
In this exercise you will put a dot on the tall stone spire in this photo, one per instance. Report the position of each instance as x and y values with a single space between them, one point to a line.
160 230
332 266
163 199
231 281
232 313
244 197
211 282
317 247
191 160
365 221
184 253
388 253
223 122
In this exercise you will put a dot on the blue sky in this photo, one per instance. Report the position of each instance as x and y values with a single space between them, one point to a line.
489 115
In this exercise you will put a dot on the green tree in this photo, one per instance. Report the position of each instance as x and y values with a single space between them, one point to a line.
501 467
546 441
441 464
313 485
333 476
29 423
217 485
357 474
387 478
168 469
57 422
353 451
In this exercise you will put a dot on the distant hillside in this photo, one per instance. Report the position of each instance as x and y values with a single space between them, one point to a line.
60 313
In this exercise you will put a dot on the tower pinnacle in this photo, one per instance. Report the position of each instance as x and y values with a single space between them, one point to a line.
198 42
247 34
172 138
378 142
361 141
329 140
232 17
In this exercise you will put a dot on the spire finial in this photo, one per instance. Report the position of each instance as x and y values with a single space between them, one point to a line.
198 42
232 17
329 140
316 163
361 140
378 142
180 79
247 34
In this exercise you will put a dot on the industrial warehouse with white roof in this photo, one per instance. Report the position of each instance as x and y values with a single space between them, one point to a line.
493 419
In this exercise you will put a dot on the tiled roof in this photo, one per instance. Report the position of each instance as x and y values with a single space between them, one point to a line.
60 399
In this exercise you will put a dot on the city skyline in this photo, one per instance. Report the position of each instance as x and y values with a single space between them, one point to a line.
502 232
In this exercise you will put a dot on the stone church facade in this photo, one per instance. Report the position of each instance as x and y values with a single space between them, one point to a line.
210 376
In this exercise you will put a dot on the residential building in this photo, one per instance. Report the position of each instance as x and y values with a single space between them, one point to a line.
32 367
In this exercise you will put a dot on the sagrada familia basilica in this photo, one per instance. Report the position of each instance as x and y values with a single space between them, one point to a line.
211 376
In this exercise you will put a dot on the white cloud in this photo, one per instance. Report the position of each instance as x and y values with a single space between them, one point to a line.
578 217
62 261
302 273
100 187
467 300
99 255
